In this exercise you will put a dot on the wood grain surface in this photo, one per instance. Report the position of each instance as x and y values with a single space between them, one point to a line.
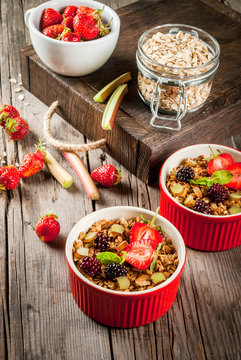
147 147
39 319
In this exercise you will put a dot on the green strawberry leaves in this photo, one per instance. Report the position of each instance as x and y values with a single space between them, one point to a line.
218 177
108 257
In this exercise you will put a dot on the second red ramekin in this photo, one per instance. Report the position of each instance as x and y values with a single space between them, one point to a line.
199 231
122 309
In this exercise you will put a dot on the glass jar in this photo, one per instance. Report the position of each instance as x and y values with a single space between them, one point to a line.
170 88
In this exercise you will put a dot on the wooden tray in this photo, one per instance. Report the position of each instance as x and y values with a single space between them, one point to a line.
133 142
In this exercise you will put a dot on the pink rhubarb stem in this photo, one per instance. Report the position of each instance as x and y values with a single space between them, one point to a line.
82 173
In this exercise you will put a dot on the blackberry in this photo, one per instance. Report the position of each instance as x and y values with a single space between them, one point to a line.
217 193
185 174
113 271
102 242
202 207
90 266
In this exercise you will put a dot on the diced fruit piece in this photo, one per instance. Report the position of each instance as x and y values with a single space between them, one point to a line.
112 107
9 177
219 162
106 175
117 228
235 169
158 278
90 236
50 17
53 31
176 189
70 11
82 251
82 174
235 210
122 246
109 88
48 228
235 196
59 173
140 253
123 282
197 192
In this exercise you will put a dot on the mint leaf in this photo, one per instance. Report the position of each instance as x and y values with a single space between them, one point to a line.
153 264
123 257
222 177
218 177
108 257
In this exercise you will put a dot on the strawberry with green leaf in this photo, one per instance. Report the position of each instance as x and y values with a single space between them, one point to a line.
33 162
16 128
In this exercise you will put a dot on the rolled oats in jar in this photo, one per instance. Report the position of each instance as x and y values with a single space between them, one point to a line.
176 65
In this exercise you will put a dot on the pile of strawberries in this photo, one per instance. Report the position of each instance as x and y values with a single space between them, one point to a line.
74 25
16 127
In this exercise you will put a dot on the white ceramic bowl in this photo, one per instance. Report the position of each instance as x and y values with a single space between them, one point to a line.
122 309
67 58
200 231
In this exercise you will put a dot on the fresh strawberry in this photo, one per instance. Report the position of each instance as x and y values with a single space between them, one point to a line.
33 162
54 31
86 26
85 10
106 175
16 128
140 253
147 230
141 231
219 162
9 177
70 11
48 228
50 17
235 169
7 111
68 22
69 36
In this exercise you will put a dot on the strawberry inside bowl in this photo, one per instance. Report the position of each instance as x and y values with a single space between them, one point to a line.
213 223
70 56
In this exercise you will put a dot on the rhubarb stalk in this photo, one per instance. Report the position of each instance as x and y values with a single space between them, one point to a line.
109 88
112 107
60 174
82 173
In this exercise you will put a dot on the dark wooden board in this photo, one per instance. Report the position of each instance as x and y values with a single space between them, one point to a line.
133 142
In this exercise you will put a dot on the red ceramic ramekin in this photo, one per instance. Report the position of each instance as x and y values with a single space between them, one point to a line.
121 309
199 231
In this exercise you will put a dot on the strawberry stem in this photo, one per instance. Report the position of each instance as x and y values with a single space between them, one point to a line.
40 147
154 218
214 156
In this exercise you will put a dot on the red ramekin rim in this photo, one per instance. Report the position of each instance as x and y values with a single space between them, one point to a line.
205 217
149 292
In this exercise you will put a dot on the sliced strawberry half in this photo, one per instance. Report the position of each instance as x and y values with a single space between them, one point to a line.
141 231
220 162
140 253
235 169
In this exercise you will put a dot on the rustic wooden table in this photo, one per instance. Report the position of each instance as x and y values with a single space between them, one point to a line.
39 318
